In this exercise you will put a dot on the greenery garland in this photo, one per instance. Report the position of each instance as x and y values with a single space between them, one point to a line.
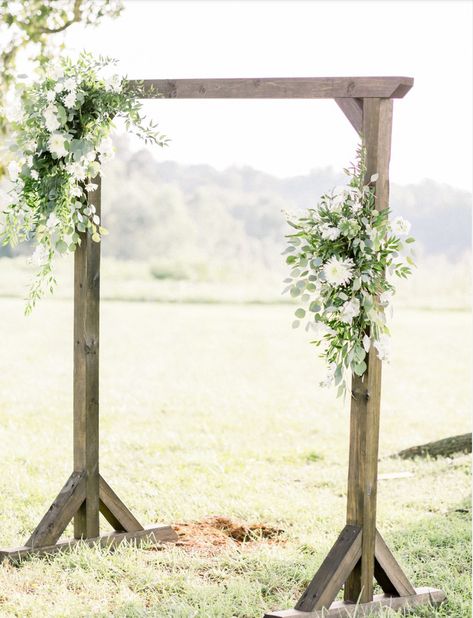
341 257
62 139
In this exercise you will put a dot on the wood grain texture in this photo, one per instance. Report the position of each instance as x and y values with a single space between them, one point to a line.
366 390
353 110
151 534
114 511
333 571
387 571
60 513
276 87
423 596
86 375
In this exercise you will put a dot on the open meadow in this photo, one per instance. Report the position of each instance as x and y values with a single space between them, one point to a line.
215 410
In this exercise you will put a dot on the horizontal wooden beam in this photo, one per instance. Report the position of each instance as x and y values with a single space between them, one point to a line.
276 88
151 534
342 609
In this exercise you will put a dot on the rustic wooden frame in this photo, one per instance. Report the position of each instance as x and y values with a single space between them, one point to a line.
360 554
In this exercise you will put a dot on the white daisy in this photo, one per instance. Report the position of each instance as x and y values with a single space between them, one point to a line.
70 99
338 272
57 145
51 120
328 232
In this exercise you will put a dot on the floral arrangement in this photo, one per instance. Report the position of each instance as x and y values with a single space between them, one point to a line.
341 257
62 139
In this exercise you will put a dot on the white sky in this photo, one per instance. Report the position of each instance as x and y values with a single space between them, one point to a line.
430 41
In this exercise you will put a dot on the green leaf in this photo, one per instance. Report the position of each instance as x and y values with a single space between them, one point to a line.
360 368
61 246
410 239
300 313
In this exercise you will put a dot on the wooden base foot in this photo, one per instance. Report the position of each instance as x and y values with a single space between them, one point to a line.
151 534
342 609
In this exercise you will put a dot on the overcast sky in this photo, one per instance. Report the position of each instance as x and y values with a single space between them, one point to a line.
430 41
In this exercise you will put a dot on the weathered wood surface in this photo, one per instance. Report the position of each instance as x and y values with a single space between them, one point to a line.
333 571
439 448
60 513
114 511
276 87
151 534
387 571
86 375
366 390
340 609
353 110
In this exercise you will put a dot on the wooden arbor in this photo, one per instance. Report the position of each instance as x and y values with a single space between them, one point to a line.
360 553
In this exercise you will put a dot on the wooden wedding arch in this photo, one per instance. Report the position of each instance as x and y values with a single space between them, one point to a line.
360 554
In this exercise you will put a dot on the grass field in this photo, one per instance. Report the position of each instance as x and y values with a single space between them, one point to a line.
216 410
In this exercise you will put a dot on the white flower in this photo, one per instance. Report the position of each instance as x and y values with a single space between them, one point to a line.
51 120
350 310
70 99
76 191
401 226
57 145
40 255
34 174
52 221
76 170
366 343
113 83
328 232
50 96
383 347
356 205
338 272
70 84
13 170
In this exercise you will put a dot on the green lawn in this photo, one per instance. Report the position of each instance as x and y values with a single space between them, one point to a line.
216 409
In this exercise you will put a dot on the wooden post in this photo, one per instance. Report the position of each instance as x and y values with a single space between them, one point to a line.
86 374
366 391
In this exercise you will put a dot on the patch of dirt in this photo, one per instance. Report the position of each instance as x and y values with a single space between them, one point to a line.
213 534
